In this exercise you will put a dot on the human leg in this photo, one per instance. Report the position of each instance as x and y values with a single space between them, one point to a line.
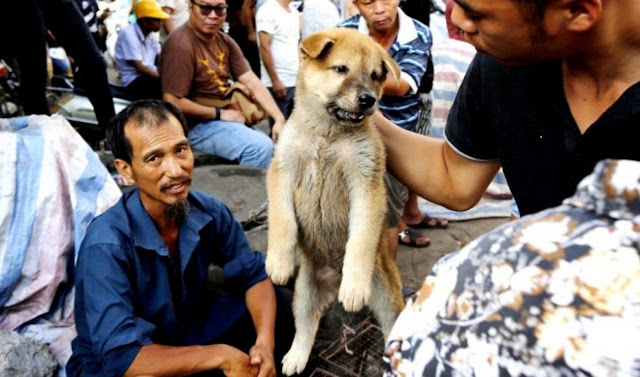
285 104
232 141
144 87
67 24
397 195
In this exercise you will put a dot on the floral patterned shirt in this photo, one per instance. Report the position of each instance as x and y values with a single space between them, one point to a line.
555 293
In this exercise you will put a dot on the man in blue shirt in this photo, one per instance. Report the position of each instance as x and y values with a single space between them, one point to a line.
142 304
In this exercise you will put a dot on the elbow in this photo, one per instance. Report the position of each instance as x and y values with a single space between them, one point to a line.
461 203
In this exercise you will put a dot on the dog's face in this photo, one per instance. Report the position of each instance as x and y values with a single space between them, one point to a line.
344 71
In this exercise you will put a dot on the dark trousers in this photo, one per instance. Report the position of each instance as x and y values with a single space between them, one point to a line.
27 22
285 104
242 335
144 87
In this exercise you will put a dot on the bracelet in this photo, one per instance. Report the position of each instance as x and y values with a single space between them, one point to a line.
218 111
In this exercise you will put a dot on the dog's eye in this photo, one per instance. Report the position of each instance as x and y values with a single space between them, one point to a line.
341 69
375 76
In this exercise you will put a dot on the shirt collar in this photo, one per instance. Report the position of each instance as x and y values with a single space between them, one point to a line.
139 33
406 28
145 234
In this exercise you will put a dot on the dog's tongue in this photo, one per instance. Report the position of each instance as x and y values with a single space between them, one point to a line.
354 116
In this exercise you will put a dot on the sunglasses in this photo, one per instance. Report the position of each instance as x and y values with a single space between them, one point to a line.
206 9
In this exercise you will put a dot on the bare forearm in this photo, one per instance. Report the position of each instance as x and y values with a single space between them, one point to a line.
267 60
143 69
190 108
262 95
430 168
261 301
158 360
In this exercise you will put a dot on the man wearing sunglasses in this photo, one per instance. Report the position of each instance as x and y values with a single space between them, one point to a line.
200 61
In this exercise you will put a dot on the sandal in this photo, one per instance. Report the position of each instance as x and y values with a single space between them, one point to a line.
429 222
413 238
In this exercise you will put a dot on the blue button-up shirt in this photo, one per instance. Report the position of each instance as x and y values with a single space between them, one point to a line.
131 293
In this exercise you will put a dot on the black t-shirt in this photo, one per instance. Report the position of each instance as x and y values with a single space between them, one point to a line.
521 117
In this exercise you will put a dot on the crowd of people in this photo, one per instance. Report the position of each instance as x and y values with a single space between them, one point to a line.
552 92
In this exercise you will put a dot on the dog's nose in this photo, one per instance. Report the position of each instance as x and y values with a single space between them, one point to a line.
366 100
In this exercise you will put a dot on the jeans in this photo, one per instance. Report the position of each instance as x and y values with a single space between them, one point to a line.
285 104
232 141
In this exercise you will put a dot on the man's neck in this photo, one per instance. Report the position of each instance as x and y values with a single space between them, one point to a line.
596 79
285 4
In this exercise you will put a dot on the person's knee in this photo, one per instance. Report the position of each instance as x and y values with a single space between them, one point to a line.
258 154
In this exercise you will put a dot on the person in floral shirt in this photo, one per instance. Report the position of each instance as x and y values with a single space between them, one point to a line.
556 293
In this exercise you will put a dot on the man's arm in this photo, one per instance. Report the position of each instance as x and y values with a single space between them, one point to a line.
262 95
143 69
261 301
158 360
434 170
279 89
247 15
196 110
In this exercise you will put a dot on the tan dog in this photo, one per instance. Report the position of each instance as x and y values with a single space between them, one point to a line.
326 190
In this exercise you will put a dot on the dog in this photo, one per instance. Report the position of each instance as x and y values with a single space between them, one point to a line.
326 191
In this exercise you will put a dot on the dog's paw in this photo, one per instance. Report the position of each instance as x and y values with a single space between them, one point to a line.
294 361
280 267
353 294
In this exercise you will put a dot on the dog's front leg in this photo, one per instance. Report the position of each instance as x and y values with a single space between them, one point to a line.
283 228
365 226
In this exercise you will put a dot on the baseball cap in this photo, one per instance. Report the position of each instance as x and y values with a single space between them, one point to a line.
149 9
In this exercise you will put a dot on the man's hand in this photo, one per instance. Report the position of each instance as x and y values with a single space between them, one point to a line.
262 357
232 115
279 90
238 364
276 130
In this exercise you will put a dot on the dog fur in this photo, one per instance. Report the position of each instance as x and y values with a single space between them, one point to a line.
326 190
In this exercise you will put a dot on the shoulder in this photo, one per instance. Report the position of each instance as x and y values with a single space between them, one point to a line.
111 227
207 203
351 22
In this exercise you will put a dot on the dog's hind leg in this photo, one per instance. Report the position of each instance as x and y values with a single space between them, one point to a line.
387 303
309 302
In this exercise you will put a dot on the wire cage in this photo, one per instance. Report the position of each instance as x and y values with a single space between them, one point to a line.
358 353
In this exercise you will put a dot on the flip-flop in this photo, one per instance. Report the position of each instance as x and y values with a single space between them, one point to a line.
413 238
425 223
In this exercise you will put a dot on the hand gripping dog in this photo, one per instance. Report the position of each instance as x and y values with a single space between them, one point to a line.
326 191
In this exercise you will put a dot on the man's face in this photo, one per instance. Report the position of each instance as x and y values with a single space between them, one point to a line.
161 164
207 16
380 15
501 29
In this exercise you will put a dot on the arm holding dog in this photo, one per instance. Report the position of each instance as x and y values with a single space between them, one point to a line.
448 178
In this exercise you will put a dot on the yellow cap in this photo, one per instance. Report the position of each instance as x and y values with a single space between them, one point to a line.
149 9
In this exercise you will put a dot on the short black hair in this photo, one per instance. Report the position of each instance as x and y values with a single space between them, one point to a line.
147 112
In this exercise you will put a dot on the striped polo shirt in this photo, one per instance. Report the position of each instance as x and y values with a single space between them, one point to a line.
411 51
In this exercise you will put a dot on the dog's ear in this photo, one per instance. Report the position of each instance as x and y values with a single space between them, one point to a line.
316 45
390 66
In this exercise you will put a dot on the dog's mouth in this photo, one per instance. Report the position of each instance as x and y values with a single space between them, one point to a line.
347 116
